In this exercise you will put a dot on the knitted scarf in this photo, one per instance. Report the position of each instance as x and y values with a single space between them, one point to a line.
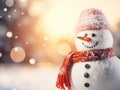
82 56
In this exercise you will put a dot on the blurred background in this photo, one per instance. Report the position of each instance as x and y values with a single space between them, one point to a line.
36 35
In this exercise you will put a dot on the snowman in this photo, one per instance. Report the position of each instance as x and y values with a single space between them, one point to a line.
94 65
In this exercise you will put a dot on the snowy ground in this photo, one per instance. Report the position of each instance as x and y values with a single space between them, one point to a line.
24 78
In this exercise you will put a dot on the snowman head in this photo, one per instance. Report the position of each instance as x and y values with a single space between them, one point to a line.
93 31
93 39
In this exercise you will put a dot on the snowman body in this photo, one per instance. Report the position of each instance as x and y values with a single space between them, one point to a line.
96 75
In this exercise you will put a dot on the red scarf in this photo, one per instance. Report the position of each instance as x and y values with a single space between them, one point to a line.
74 57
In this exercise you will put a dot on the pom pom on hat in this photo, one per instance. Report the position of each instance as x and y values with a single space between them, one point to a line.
92 19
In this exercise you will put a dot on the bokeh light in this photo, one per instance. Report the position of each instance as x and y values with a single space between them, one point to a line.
43 44
0 54
15 10
33 9
16 37
9 34
17 54
32 61
46 38
9 16
23 3
19 24
0 16
5 9
64 48
9 3
26 43
22 13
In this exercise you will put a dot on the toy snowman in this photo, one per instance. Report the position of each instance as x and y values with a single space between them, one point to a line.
94 65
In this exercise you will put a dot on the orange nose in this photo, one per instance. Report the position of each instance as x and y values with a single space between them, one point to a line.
87 39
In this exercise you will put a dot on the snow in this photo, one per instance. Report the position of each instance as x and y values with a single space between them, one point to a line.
28 79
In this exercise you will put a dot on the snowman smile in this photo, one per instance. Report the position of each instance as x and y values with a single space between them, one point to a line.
90 46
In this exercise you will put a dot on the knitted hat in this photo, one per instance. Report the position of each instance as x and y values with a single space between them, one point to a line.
92 19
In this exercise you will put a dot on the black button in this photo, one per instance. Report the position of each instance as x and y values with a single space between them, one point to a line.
87 85
86 75
87 66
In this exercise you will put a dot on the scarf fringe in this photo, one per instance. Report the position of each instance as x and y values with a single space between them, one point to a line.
63 76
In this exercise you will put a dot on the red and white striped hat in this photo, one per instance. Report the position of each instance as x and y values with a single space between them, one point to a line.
92 19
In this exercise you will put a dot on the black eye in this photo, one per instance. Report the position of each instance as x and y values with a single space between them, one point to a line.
85 35
93 35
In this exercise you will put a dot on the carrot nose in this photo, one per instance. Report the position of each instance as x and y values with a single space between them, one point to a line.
87 39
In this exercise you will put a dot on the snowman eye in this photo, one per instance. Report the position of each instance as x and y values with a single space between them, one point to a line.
93 35
85 35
